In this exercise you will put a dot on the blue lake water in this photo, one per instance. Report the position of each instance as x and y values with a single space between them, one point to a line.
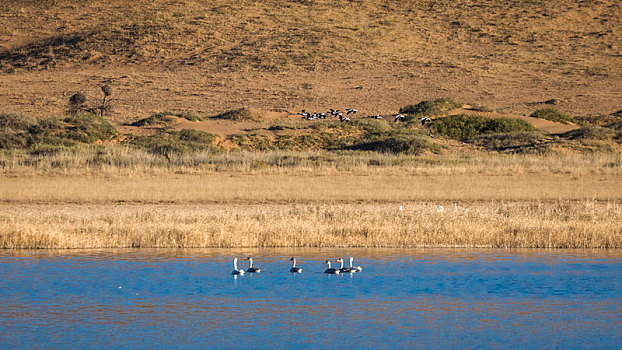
423 298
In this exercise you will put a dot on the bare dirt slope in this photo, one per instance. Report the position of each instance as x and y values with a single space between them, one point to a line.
213 56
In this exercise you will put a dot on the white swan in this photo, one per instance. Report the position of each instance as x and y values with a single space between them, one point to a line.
236 271
345 269
295 269
252 269
330 270
355 268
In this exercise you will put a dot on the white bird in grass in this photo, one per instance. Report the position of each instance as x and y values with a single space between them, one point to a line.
398 117
377 116
330 270
295 269
252 269
424 120
236 271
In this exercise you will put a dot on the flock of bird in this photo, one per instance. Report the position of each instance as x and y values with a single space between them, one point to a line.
296 269
351 111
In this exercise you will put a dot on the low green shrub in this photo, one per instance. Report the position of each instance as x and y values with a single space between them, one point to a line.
88 128
22 131
590 133
166 118
176 142
13 122
466 127
431 108
253 142
399 144
373 126
553 115
241 114
513 142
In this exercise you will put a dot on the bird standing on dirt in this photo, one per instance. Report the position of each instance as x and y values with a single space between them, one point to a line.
398 117
424 120
351 110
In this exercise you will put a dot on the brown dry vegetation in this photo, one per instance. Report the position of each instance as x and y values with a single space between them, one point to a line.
214 56
205 58
535 224
321 199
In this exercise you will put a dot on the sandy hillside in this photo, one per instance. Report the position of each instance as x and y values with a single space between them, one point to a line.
209 57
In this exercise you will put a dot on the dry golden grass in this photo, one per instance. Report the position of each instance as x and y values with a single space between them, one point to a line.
561 224
213 56
111 161
314 199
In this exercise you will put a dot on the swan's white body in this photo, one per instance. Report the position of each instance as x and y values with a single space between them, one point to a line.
345 269
236 271
252 269
295 269
355 268
330 270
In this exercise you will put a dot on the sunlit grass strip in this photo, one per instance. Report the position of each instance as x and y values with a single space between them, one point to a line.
128 161
533 224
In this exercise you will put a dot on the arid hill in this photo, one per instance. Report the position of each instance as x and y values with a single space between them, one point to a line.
212 56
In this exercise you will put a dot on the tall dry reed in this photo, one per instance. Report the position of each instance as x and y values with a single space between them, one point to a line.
533 224
114 197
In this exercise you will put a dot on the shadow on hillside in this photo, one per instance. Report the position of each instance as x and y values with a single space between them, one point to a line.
94 46
43 54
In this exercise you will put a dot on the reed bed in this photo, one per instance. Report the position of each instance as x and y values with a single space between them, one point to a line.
70 200
532 224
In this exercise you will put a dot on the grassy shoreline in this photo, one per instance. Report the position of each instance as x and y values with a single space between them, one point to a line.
530 224
315 200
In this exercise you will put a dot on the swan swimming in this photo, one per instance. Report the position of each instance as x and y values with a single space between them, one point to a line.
295 269
330 270
355 268
252 269
236 271
345 269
